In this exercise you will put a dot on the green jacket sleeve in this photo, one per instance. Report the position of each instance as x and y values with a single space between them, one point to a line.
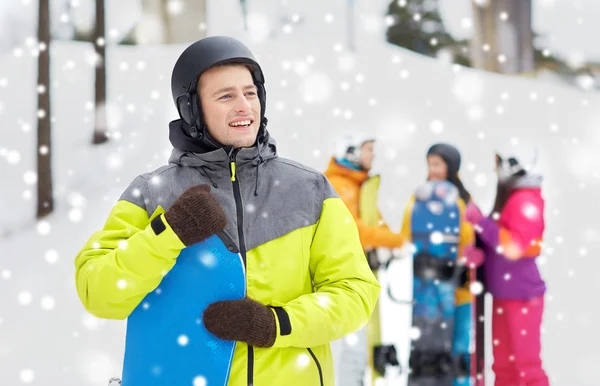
346 290
125 260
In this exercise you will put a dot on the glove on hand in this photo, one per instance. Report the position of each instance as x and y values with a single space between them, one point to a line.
243 320
196 215
473 214
473 256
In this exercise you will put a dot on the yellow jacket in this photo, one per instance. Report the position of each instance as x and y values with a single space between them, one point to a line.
302 251
348 182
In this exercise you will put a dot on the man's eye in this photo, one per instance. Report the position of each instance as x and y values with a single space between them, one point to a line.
225 96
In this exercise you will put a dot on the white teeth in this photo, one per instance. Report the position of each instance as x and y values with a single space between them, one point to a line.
240 123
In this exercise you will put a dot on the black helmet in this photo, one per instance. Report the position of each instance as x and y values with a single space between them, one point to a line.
196 59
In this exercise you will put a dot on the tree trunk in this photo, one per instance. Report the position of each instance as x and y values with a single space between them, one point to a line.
100 121
503 38
45 202
165 17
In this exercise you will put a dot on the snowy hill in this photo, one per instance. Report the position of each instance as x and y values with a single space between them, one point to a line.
316 90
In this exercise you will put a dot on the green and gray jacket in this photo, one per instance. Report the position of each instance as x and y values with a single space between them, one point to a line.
299 242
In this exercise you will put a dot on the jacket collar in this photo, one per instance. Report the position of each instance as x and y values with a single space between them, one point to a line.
337 169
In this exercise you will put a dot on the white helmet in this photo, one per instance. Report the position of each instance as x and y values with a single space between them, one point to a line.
513 159
348 147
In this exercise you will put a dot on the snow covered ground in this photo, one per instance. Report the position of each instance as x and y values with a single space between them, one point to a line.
316 90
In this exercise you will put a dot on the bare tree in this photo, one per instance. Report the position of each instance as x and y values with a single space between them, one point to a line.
100 120
503 36
45 201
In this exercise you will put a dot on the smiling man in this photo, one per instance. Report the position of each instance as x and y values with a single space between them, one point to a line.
308 281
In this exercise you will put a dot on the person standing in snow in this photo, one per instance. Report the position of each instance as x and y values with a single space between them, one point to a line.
511 239
443 164
287 221
349 175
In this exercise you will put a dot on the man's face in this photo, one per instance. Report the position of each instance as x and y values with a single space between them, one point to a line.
230 105
367 155
437 168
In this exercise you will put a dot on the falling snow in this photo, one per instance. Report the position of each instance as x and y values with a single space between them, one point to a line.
316 88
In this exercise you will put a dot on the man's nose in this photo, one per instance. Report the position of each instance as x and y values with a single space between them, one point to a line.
242 104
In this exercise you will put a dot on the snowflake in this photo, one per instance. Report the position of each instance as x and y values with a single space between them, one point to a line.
30 177
183 340
51 256
27 376
415 333
47 303
25 298
43 227
476 288
13 157
6 274
436 238
324 300
480 179
121 284
436 126
75 215
351 339
303 360
200 381
91 322
208 259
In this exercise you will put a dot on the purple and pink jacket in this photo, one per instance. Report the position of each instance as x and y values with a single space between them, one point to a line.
511 244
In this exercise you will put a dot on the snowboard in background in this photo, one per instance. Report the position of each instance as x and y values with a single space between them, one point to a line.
166 341
379 355
442 310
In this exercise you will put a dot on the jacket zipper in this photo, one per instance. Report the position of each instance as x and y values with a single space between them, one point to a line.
314 357
240 227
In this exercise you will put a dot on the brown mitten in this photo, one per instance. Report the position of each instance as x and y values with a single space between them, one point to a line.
196 215
243 320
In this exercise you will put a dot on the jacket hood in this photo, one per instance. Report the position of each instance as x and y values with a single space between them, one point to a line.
336 169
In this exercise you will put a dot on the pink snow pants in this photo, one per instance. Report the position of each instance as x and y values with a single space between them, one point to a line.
516 342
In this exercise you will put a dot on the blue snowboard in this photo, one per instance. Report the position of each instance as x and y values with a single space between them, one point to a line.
443 328
166 342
